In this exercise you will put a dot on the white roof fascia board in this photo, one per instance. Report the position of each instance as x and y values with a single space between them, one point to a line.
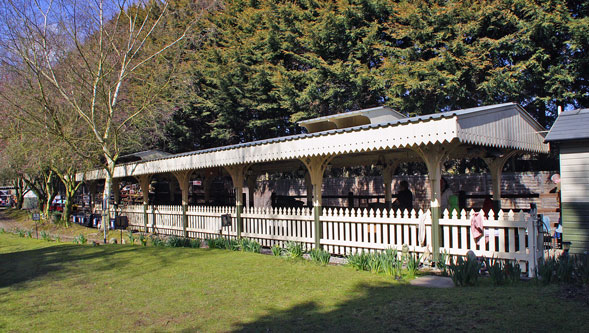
407 134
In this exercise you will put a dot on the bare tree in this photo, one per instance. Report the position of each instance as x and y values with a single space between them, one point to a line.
79 56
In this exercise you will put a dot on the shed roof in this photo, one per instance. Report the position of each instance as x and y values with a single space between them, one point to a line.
570 125
501 126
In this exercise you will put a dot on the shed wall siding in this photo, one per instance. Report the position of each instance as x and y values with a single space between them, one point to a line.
574 165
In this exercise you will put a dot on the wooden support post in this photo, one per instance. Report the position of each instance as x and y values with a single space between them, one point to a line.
434 156
237 173
496 165
183 178
251 187
316 166
388 171
116 189
92 190
309 186
144 181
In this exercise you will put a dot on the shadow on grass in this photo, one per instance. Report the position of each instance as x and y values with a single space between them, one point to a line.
391 308
21 266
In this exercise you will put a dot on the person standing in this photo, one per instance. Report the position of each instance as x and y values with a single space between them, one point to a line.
404 197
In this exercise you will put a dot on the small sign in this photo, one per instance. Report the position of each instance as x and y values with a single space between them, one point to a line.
226 220
197 182
36 216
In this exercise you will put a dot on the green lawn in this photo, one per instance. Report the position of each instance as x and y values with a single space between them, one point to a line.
64 287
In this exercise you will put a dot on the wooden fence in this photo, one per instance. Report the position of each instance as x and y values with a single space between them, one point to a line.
507 235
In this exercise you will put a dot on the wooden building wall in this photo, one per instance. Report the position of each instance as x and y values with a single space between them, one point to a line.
574 167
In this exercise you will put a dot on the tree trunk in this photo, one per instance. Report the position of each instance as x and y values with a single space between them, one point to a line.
20 186
106 196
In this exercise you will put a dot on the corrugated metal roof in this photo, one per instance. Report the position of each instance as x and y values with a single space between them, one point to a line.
570 125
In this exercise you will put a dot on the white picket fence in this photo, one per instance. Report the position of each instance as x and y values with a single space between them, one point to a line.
508 235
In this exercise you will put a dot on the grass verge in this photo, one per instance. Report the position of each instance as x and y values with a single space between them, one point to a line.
54 287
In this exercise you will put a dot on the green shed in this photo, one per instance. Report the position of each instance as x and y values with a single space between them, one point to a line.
570 137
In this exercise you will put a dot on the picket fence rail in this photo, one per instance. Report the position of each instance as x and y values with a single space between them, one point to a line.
507 235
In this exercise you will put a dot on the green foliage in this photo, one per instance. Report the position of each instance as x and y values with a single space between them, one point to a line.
195 243
20 232
294 250
276 250
269 64
443 263
512 271
158 242
465 272
45 236
248 245
565 269
496 271
412 263
2 231
29 234
80 239
211 243
360 261
546 270
143 239
320 256
582 268
131 237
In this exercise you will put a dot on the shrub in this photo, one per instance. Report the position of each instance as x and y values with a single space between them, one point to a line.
320 256
294 250
565 269
2 230
465 272
276 250
359 261
80 239
211 243
21 233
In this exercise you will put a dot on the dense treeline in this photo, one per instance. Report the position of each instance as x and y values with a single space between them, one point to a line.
263 65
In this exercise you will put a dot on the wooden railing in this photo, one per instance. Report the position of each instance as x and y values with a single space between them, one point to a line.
507 235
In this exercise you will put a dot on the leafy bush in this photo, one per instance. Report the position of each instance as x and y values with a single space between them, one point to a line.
359 261
21 233
2 231
465 272
294 250
565 269
276 250
30 234
80 239
320 256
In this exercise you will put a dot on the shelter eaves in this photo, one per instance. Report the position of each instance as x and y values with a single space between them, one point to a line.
570 125
506 126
